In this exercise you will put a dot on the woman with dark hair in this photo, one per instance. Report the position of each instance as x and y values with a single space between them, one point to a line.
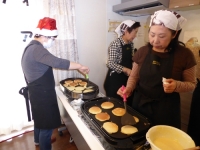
161 70
120 53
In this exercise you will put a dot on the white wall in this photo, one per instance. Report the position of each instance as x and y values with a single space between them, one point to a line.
93 39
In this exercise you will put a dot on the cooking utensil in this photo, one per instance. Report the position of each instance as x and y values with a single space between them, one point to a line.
193 148
126 119
87 77
85 96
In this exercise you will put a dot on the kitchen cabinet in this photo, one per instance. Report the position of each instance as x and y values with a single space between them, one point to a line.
183 3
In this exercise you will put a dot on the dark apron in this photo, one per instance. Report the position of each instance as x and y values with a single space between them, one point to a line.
43 101
149 97
194 123
115 80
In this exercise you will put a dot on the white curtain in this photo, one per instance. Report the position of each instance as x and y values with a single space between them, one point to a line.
66 43
15 17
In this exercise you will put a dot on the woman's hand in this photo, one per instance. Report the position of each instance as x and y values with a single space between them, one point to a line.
84 69
169 85
127 91
126 71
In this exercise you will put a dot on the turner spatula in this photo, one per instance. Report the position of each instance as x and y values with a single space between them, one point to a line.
126 119
87 77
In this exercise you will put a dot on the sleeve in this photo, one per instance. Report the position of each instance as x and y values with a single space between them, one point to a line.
45 57
114 56
134 77
189 81
140 55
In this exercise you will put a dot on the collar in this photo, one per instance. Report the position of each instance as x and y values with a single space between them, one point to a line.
122 41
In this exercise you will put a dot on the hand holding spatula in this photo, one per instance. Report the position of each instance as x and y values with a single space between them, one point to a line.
126 119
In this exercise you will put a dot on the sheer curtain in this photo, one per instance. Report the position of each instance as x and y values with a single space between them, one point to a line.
16 17
66 43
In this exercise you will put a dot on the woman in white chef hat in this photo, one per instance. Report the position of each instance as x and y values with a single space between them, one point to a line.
162 69
120 61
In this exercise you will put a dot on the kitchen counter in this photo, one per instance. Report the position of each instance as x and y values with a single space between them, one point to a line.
81 134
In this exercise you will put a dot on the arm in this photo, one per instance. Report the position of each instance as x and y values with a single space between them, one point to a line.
77 66
132 81
114 58
45 57
188 83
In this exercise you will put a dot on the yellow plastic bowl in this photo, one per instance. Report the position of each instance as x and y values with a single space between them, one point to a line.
165 133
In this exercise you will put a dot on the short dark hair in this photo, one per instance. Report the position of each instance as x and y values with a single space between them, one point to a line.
134 26
174 42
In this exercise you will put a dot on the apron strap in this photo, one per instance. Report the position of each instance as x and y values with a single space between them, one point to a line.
24 91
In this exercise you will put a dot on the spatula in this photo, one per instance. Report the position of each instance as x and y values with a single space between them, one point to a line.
126 119
87 77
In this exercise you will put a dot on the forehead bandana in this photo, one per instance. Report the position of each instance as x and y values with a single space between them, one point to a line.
169 19
123 26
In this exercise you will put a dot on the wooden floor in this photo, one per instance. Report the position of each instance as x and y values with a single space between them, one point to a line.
26 142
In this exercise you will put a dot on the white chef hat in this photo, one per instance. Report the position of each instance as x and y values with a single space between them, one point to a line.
123 26
169 19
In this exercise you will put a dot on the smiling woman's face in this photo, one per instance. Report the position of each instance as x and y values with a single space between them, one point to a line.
160 37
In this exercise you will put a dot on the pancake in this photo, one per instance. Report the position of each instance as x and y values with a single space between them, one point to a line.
95 110
73 84
77 80
103 116
118 111
83 83
70 88
88 90
110 127
128 129
77 91
69 81
65 85
136 119
107 105
79 88
89 87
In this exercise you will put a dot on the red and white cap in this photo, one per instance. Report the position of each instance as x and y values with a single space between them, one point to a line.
169 19
123 26
46 27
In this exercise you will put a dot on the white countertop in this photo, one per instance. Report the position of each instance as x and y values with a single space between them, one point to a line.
89 137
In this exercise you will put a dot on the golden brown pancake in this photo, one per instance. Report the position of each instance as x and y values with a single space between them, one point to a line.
110 127
79 88
68 81
77 91
107 105
118 111
77 80
128 129
73 84
103 116
88 90
83 83
95 110
70 88
65 85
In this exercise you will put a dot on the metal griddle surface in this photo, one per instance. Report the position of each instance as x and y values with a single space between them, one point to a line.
142 126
